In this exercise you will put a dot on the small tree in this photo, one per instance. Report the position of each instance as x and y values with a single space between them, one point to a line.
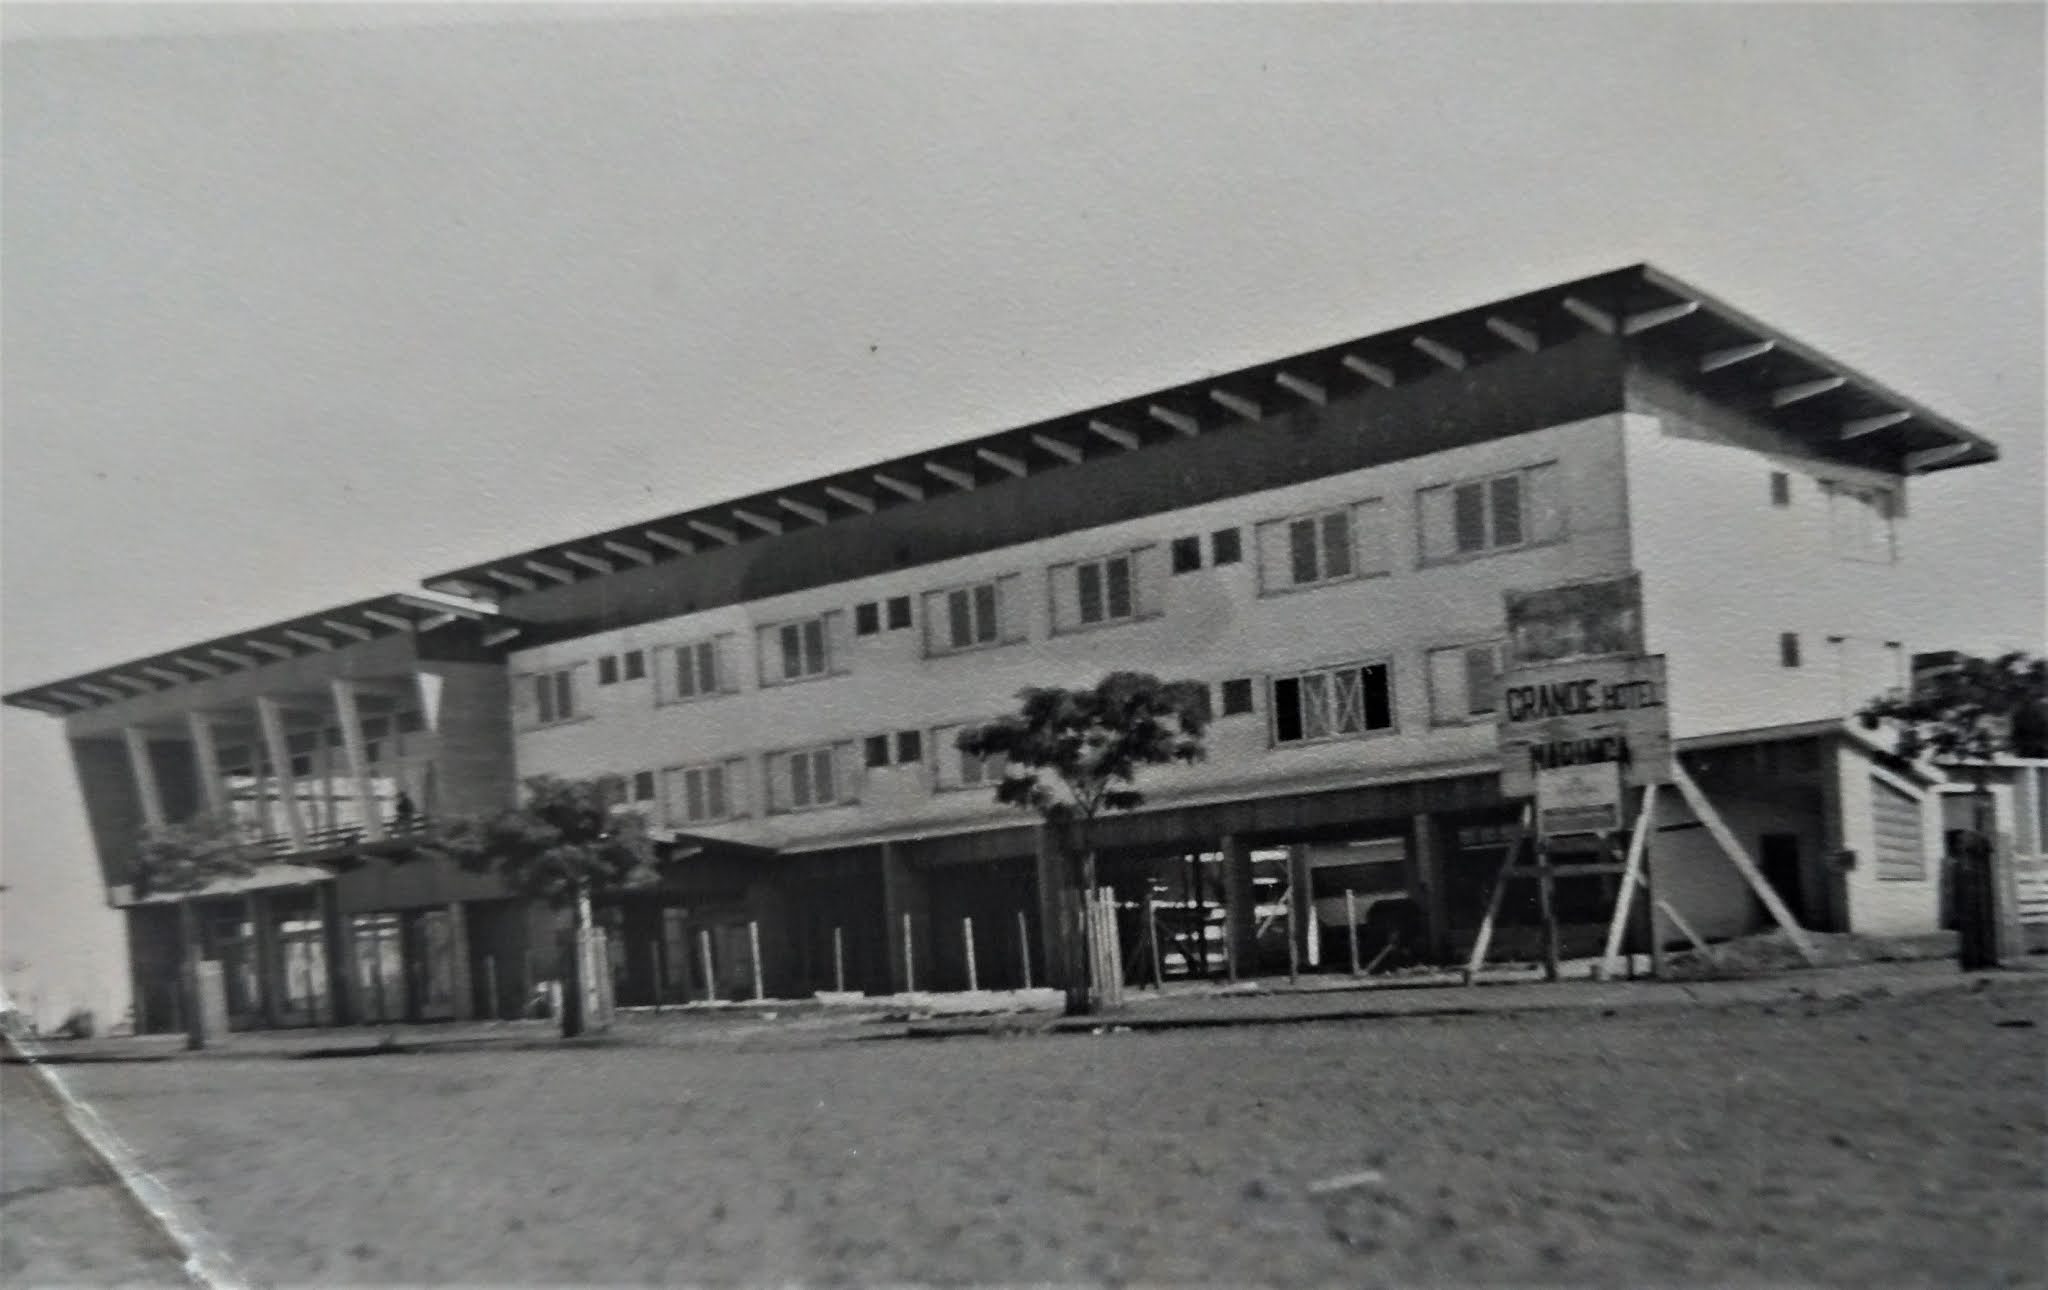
1070 755
566 844
181 860
1970 713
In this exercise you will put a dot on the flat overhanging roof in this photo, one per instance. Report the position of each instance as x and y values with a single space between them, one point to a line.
1719 352
313 633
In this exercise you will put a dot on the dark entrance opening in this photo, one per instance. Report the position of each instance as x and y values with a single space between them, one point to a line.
1778 857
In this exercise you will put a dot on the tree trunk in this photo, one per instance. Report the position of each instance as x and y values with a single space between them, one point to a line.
1082 1000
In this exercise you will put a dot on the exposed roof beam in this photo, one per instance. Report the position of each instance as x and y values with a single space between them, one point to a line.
271 648
437 621
308 638
100 691
238 660
470 590
858 501
714 532
1237 403
393 621
134 683
1514 334
1642 322
1003 461
1373 372
1717 359
517 581
1788 395
1928 458
900 487
1309 390
1115 434
556 572
761 522
1871 425
637 554
203 668
38 705
1181 422
814 514
957 478
1596 318
167 676
595 564
1439 351
66 696
500 636
349 630
681 546
1059 448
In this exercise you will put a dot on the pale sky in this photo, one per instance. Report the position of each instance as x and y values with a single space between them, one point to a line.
302 306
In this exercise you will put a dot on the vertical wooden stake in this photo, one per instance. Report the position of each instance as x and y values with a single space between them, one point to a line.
1650 915
704 960
1293 927
1024 947
491 984
967 937
654 972
754 955
909 961
1230 942
838 962
1152 943
1351 926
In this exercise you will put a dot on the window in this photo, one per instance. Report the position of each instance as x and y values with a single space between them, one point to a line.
608 670
704 794
1330 703
877 749
801 650
1463 682
1237 696
808 778
1862 520
867 618
899 613
953 768
635 662
695 670
410 722
1226 546
1103 588
909 747
1327 546
554 699
642 788
1781 488
1187 554
976 771
1788 649
1500 513
964 618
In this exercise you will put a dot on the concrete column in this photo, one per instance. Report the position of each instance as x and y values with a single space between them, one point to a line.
357 756
269 962
144 771
1242 901
1426 844
271 717
343 1000
206 756
1055 911
1301 908
458 967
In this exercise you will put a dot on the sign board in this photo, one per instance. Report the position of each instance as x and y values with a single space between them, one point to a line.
1580 620
1578 799
1584 712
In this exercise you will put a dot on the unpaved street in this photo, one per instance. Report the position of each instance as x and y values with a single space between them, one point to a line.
1896 1142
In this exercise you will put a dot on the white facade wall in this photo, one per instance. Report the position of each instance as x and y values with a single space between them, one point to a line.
1887 906
1726 572
1210 625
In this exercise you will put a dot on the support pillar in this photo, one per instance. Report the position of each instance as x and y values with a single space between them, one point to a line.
269 961
206 760
1056 969
1301 908
368 816
1426 843
271 717
459 983
1242 901
144 771
904 893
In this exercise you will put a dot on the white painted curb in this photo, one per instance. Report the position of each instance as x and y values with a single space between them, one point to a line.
205 1262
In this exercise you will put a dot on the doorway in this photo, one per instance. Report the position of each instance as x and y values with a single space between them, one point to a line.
1778 856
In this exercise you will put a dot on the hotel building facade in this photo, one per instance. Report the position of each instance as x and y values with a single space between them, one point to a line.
1326 542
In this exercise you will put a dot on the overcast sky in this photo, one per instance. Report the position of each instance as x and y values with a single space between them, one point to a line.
301 307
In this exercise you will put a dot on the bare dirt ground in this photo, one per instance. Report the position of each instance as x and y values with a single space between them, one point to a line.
64 1218
1894 1142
